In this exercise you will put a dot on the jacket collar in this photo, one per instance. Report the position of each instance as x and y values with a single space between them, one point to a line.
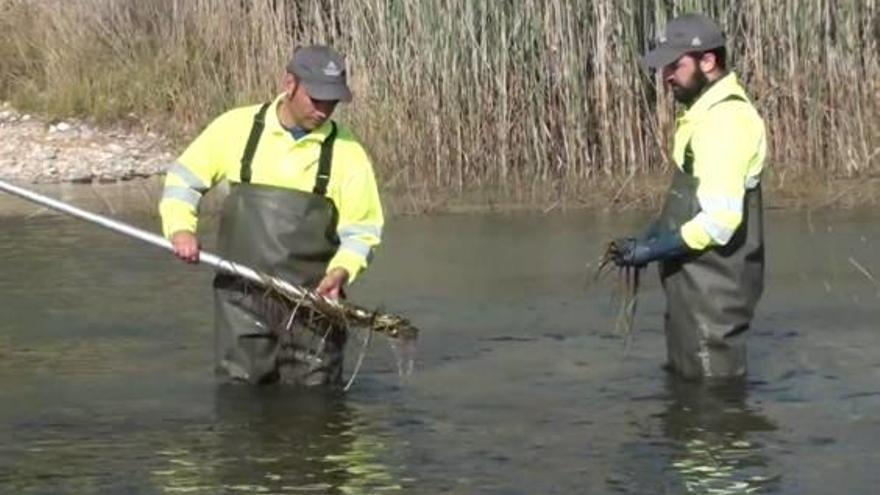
274 126
722 88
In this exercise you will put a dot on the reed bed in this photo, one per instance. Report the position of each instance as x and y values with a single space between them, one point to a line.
452 96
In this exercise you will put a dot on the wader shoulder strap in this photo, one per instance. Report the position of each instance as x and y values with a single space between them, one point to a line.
253 139
325 162
688 165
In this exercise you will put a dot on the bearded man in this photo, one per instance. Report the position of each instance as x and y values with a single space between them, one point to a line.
708 240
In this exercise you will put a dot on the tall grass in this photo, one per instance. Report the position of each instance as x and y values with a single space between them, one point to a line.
455 95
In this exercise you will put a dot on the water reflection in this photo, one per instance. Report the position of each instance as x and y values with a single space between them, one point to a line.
713 431
274 440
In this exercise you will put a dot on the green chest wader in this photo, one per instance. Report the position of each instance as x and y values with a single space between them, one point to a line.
288 234
711 295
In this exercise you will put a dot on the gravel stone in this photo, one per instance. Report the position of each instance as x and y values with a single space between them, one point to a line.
34 151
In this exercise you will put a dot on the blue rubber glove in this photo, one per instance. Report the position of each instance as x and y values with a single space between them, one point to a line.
651 231
664 245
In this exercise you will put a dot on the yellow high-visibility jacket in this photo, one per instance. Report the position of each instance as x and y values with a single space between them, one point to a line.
728 142
280 161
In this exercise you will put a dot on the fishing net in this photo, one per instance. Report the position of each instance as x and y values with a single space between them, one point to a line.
289 309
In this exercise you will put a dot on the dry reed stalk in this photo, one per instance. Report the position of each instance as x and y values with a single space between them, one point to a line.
457 95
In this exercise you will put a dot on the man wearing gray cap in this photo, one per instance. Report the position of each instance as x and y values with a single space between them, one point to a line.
709 238
303 206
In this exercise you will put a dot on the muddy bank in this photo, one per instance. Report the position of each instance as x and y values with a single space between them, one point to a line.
120 169
140 196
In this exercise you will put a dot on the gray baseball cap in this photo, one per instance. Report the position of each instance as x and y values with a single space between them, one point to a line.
685 34
322 71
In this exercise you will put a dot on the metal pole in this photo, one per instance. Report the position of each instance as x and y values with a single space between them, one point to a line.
157 240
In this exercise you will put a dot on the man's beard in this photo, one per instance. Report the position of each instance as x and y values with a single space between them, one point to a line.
688 94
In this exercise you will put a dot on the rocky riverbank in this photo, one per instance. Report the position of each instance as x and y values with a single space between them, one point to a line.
36 151
120 168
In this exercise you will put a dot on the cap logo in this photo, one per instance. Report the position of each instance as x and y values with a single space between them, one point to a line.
332 70
696 41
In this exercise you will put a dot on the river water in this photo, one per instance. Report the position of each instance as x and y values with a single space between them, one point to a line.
521 385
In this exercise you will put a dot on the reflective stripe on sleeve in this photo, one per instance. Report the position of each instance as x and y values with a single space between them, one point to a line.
360 229
357 246
188 177
181 193
718 232
713 203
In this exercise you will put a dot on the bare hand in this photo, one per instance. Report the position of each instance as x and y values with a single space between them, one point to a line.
332 283
186 246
